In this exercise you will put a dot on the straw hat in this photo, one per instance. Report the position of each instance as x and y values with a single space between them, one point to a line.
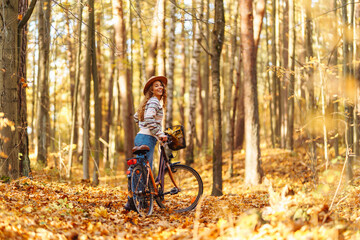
152 80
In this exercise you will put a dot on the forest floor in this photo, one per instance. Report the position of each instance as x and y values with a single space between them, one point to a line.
291 203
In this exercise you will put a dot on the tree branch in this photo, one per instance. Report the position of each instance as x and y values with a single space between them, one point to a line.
27 16
207 51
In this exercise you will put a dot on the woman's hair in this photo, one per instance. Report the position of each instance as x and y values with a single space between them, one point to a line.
149 94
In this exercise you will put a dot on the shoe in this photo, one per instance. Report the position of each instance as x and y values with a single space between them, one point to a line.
130 206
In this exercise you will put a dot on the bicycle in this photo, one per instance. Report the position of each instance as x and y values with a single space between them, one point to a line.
177 187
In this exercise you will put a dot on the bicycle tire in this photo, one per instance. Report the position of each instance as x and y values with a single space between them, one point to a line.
142 192
191 189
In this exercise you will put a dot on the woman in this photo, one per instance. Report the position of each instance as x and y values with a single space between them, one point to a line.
149 117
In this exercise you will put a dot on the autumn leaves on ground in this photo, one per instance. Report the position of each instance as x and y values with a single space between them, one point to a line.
288 205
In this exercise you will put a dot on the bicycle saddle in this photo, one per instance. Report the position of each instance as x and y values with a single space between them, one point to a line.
143 149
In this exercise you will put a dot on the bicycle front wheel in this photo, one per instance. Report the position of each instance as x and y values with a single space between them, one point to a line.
142 191
187 196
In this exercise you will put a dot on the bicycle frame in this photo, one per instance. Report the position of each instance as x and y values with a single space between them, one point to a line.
151 175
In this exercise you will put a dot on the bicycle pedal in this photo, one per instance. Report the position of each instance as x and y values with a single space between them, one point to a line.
174 191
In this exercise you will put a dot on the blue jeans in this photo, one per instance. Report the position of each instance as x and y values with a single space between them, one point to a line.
143 139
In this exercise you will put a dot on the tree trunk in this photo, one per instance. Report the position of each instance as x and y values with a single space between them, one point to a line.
291 88
54 111
348 105
100 62
184 71
70 59
278 96
124 80
230 129
275 79
171 63
258 21
88 70
43 129
335 102
240 116
34 100
74 129
205 85
195 65
355 75
270 87
161 56
284 82
309 54
141 40
24 160
349 109
109 116
310 101
154 42
217 38
97 108
114 128
9 162
253 171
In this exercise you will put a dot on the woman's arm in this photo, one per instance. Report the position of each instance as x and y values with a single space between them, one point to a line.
136 118
153 107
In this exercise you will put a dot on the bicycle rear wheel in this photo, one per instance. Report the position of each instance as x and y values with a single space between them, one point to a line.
189 193
142 192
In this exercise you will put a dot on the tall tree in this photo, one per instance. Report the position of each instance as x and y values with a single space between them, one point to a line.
275 79
171 68
291 88
43 125
74 117
141 40
349 106
284 82
97 102
88 70
195 73
356 46
161 49
184 70
253 171
99 71
240 128
230 129
25 13
309 54
70 58
310 101
124 79
97 109
217 38
205 83
9 163
269 84
154 42
110 109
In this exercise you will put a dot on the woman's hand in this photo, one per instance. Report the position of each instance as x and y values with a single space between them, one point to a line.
163 138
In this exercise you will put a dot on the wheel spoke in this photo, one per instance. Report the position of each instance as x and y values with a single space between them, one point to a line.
190 189
143 199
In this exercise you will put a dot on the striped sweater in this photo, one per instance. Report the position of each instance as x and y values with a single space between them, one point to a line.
153 116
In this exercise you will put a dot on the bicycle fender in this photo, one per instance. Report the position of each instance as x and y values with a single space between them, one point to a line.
175 163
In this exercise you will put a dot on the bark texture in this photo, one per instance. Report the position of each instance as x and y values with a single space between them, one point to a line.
217 38
43 121
253 171
9 164
124 80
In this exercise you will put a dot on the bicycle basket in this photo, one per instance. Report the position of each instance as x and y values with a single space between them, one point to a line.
177 137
